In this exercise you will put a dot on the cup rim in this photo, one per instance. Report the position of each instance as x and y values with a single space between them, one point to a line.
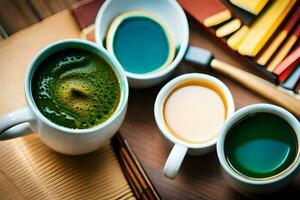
169 87
256 108
178 57
88 46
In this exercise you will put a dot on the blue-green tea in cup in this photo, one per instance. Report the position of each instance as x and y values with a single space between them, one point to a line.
261 146
140 42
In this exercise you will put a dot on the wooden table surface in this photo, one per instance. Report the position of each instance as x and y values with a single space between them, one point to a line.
200 176
18 14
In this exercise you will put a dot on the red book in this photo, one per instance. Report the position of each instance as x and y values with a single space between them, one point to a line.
86 11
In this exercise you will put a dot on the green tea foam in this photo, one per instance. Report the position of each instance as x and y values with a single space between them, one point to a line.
76 89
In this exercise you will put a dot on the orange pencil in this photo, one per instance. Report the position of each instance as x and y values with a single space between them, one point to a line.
291 59
284 50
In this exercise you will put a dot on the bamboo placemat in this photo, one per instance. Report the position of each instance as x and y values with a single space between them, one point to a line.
31 170
28 168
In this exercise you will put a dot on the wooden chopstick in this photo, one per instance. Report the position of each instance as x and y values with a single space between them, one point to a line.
141 170
131 181
135 174
140 182
137 185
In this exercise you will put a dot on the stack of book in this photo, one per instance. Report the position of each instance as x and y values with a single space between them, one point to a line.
263 33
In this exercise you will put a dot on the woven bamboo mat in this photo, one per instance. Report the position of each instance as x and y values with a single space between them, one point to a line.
28 168
31 170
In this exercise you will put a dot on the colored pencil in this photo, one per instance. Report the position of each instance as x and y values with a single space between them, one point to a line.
292 80
270 50
236 39
285 74
228 28
291 59
262 29
284 50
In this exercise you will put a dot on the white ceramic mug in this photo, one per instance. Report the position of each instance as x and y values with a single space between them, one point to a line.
62 139
180 148
252 186
172 16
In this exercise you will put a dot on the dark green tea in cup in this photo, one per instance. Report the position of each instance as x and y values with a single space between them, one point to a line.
261 145
140 42
76 89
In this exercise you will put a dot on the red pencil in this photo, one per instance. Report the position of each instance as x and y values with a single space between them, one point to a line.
285 74
290 60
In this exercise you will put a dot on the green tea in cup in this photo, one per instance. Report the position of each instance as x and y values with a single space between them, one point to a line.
261 146
140 41
76 89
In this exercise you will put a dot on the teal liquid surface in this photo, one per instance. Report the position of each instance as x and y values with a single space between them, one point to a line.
261 145
141 45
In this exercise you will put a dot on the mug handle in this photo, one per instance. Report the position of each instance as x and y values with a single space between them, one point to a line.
174 161
16 124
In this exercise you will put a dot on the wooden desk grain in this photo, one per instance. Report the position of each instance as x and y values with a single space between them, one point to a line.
18 14
200 176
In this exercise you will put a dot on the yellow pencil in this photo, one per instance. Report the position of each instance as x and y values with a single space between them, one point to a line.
263 28
228 28
266 55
